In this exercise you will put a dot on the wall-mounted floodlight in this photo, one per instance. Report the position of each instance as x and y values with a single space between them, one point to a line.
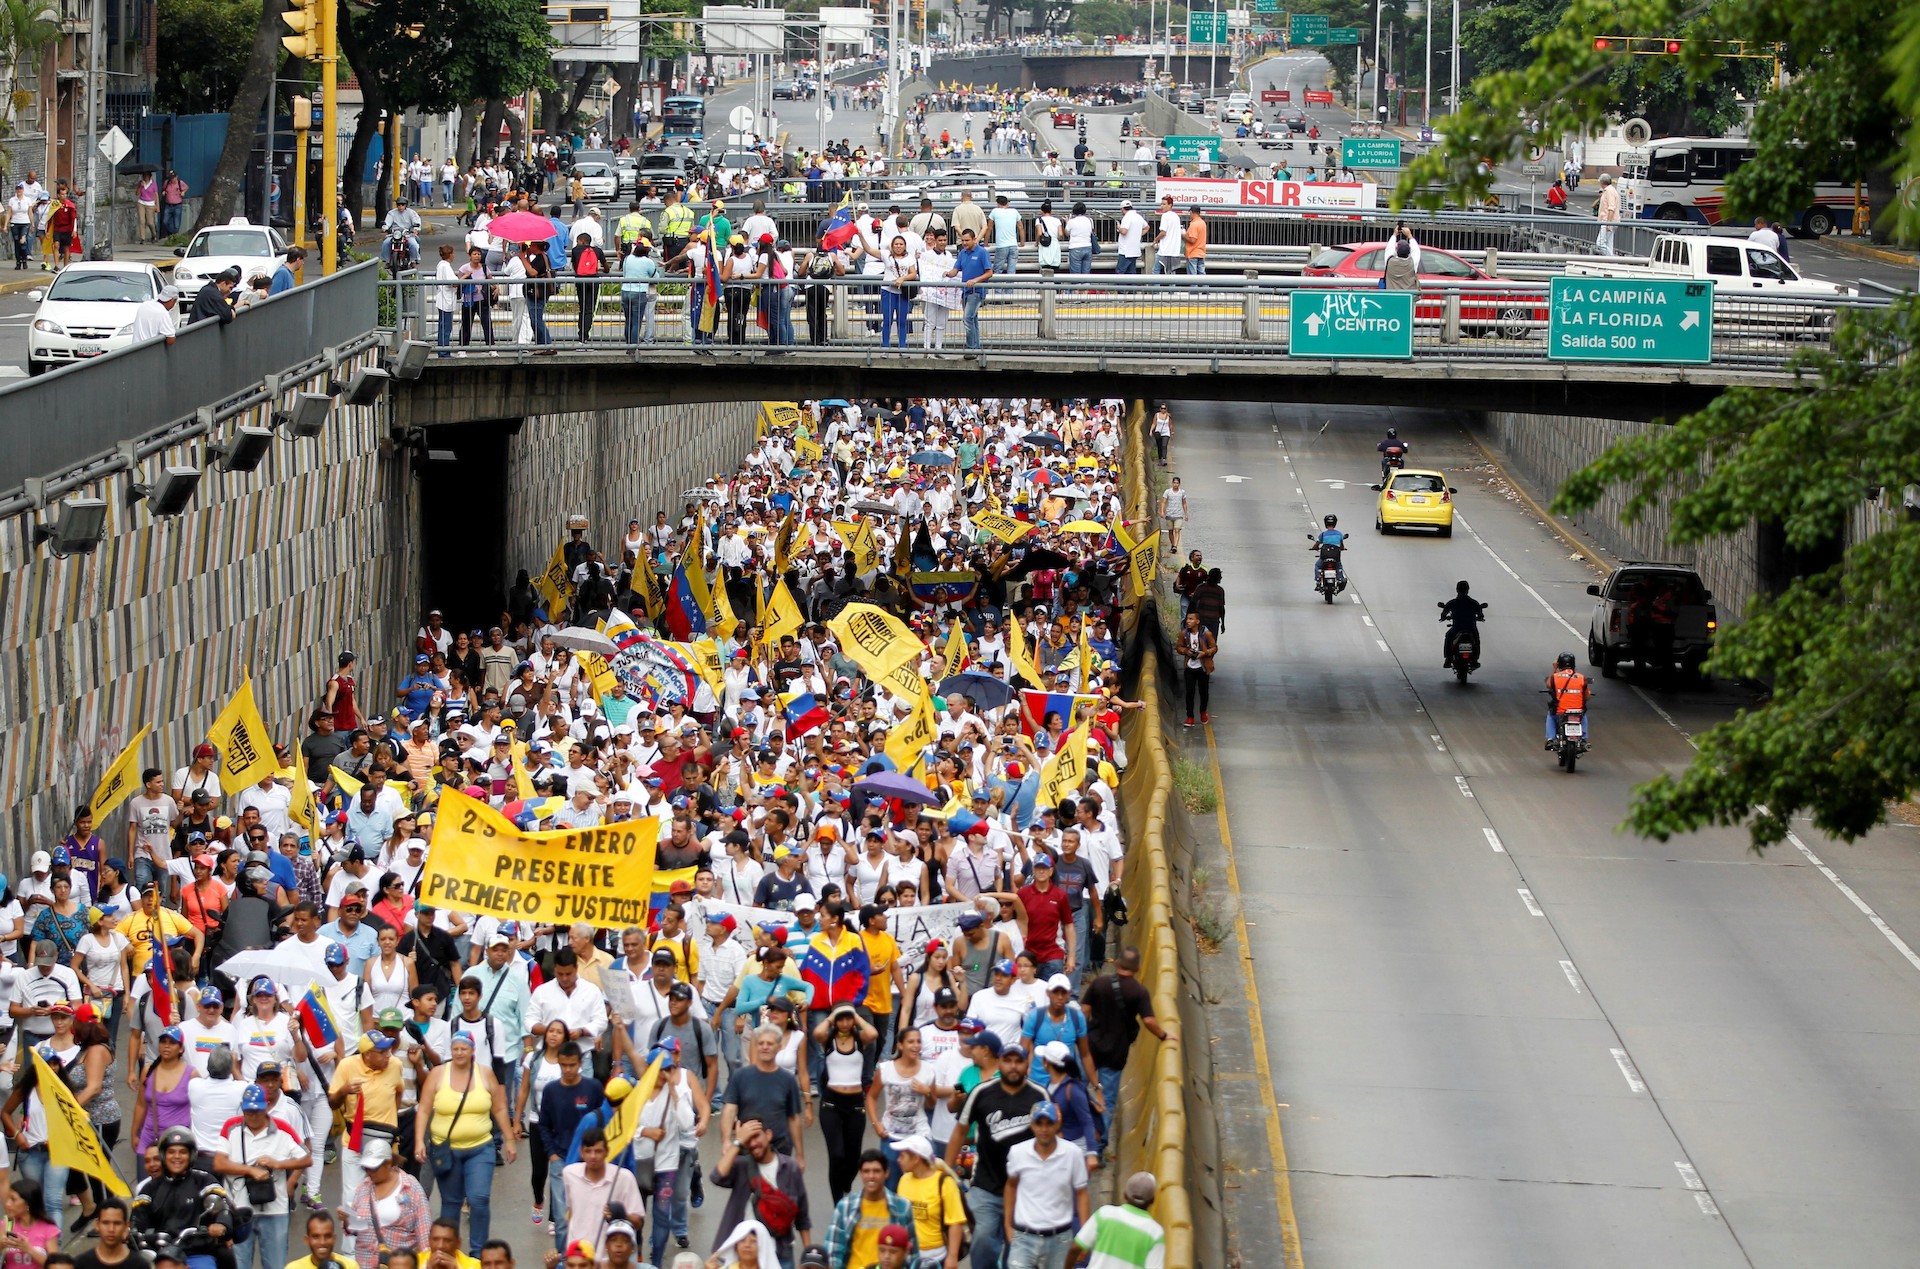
246 450
79 530
305 416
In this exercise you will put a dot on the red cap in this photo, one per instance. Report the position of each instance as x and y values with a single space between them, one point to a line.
204 750
896 1236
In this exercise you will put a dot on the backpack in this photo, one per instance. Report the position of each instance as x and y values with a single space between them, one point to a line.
966 1239
773 1208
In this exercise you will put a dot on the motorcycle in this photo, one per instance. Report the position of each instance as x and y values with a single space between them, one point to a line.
1327 579
1463 656
1570 737
398 251
1392 459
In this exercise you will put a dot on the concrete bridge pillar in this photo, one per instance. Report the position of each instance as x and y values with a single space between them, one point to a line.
1049 314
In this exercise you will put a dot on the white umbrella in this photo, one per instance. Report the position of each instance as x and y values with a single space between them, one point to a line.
701 495
289 969
581 639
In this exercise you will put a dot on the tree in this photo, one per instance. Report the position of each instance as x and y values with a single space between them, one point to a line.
202 47
1838 646
1107 17
256 80
27 29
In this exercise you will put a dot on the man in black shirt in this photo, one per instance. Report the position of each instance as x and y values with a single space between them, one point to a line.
111 1226
435 955
212 303
322 745
1117 1006
1001 1113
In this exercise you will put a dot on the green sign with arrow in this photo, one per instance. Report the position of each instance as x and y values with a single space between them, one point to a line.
1631 319
1367 325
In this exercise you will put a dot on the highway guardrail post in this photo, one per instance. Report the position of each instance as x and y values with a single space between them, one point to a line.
1250 310
1492 264
1049 313
1450 319
837 325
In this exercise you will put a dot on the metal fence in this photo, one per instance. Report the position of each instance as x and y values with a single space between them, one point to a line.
1090 315
84 410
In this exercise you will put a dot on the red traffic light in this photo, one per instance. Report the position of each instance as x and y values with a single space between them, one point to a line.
1673 46
1602 44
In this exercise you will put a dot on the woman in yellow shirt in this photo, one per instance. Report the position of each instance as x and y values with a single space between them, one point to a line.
457 1137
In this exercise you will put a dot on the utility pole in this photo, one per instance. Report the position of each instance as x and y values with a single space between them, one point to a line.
1373 106
1453 67
316 38
1426 81
96 22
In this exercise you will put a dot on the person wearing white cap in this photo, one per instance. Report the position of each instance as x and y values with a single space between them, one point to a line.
158 317
1061 1022
939 1212
1129 239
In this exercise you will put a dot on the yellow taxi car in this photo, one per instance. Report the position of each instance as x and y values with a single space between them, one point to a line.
1411 498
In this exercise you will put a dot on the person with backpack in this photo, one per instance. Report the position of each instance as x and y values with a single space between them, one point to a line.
941 1224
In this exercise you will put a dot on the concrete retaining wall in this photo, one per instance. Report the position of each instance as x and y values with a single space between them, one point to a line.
613 466
275 570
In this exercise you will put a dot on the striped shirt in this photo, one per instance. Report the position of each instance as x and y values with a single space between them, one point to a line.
1122 1237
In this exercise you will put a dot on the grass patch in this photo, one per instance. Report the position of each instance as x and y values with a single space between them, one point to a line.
1212 922
1193 785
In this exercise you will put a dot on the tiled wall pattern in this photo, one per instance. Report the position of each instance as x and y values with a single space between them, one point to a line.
614 465
277 570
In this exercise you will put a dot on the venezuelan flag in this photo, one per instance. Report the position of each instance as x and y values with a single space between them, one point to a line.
803 713
316 1019
683 616
662 895
835 975
162 987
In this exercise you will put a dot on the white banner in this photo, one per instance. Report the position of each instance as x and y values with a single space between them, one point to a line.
911 927
1307 196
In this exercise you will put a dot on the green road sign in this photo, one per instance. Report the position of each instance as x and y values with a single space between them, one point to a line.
1308 28
1370 324
1266 6
1182 148
1344 35
1206 28
1365 153
1631 319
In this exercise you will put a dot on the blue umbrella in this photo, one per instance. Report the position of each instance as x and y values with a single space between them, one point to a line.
983 690
836 403
931 458
891 784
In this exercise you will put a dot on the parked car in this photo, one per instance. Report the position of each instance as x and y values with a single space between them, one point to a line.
1496 308
1659 616
947 186
1415 498
88 310
237 244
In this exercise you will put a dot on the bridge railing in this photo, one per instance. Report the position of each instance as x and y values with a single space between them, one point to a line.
1085 314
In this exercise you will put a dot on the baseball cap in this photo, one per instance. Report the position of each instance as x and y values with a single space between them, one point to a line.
375 1152
1003 967
376 1040
41 861
897 1235
805 902
498 939
204 750
914 1144
662 957
680 991
265 1069
618 1227
1013 1049
213 998
389 1018
971 920
44 954
945 996
985 1040
1044 1110
1060 982
335 954
254 1098
971 1025
1043 860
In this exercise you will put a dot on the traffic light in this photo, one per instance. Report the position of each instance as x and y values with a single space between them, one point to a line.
304 19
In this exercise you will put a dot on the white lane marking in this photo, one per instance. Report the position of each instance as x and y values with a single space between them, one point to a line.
1465 790
1688 1176
1634 1082
1526 897
1493 840
1551 610
1707 1206
1665 717
12 372
1438 743
1899 944
1573 976
1299 491
1383 645
1366 619
1356 597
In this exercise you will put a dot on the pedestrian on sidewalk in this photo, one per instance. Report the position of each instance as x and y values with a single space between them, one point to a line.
1118 1006
1606 209
1173 513
1123 1235
1208 601
1197 647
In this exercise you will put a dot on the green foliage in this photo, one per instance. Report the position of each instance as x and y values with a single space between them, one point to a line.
27 27
202 47
1108 17
435 55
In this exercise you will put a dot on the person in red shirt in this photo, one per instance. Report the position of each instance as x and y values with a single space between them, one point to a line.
62 222
1049 919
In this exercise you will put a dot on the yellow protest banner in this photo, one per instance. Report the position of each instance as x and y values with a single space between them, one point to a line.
1017 654
956 651
907 741
728 623
625 1120
120 780
777 416
522 782
246 750
783 614
646 583
1061 776
876 640
1001 526
600 676
481 863
783 542
301 809
858 535
555 582
807 449
71 1140
345 782
704 656
1143 563
905 681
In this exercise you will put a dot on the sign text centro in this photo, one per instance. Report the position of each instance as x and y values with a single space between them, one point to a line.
1288 195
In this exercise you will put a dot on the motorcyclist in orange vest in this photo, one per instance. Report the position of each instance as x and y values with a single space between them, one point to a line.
1569 690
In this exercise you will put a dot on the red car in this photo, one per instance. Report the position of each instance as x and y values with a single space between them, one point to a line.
1064 118
1501 308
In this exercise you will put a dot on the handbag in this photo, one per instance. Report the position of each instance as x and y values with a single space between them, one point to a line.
259 1193
440 1153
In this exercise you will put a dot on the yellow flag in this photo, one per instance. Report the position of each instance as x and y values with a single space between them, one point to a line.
906 681
625 1120
723 611
1004 527
876 640
694 561
121 779
646 583
71 1140
704 656
1086 657
1063 772
343 781
600 675
555 582
1017 653
807 448
301 809
783 614
956 651
1143 563
866 552
246 750
783 543
522 782
907 741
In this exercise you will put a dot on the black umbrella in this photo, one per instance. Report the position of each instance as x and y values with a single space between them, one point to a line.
1043 440
1038 558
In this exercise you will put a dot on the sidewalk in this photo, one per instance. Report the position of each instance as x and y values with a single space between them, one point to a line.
160 257
1872 251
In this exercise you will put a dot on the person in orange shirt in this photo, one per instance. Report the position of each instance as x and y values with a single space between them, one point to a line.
1195 241
1569 690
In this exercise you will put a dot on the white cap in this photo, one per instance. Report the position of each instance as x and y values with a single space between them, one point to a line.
916 1144
805 902
1060 982
1054 1051
41 861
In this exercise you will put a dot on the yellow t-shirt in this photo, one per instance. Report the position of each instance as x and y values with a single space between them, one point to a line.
381 1089
139 930
936 1204
882 953
462 1118
686 954
864 1247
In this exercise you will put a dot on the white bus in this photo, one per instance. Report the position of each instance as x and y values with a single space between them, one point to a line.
1685 178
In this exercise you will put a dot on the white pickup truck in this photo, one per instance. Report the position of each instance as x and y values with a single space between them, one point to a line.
1734 265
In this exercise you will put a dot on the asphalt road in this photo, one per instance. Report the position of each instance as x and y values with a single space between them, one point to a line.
1506 1033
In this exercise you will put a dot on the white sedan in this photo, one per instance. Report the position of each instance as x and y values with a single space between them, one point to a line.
948 185
88 311
238 244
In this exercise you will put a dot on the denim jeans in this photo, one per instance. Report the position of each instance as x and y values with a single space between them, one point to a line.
537 318
689 1165
665 1186
1049 968
894 310
266 1245
1005 258
780 315
1082 941
1031 1251
469 1181
1110 1091
638 312
971 299
557 1208
34 1164
1196 264
989 1227
446 329
1553 730
1126 264
1079 259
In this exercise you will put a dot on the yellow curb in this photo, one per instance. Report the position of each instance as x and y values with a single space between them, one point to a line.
1865 251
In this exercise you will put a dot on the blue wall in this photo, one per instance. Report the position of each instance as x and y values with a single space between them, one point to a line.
197 140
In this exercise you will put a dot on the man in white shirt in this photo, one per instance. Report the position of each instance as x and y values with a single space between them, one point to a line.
1168 252
999 1008
256 1149
571 999
1129 242
1764 236
759 224
589 225
1046 1194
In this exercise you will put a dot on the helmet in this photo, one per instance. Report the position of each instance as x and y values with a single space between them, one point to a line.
176 1137
1459 588
1330 520
1564 661
1392 432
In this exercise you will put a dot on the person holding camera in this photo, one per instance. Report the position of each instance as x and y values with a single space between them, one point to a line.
266 1158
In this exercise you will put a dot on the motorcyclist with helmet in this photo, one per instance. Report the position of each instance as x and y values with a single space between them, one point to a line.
1567 689
1329 541
1462 614
184 1206
1391 448
403 220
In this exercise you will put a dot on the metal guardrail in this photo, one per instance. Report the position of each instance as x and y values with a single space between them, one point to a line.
84 410
1227 317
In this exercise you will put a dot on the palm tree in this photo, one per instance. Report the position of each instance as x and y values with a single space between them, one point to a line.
27 27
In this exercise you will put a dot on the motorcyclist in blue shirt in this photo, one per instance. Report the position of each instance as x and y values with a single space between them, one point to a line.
1330 536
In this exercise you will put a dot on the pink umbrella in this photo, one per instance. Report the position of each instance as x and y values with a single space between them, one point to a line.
521 227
